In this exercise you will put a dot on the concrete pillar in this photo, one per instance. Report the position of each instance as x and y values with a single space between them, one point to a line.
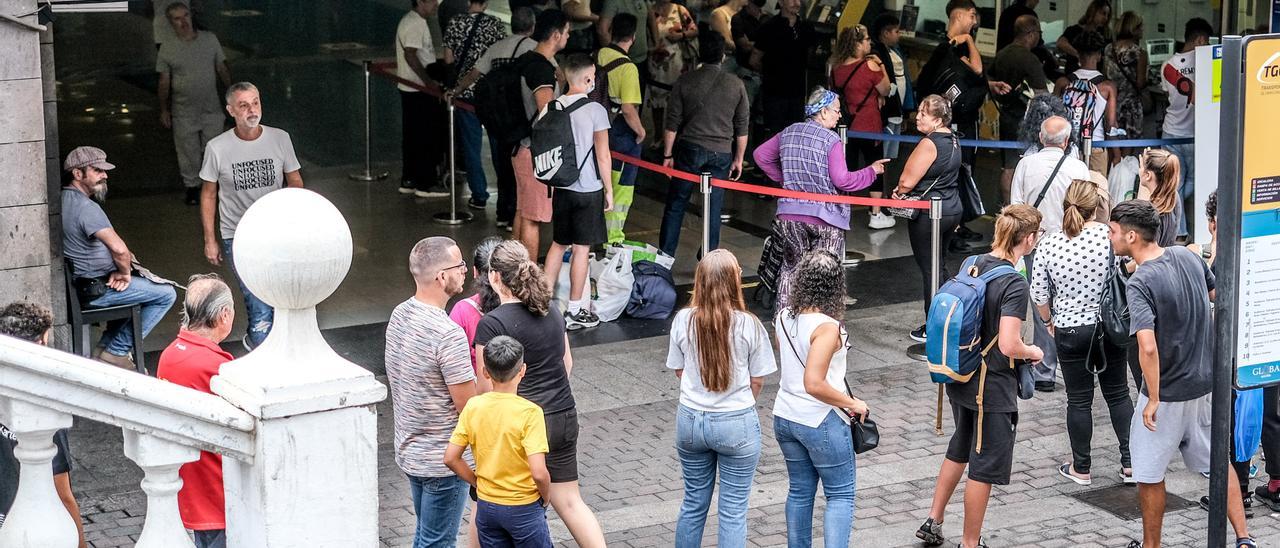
314 477
26 250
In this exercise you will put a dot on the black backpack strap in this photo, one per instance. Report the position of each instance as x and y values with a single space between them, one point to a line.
582 102
1049 183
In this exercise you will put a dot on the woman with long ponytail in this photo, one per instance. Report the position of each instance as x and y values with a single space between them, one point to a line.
1160 172
721 353
1075 263
525 313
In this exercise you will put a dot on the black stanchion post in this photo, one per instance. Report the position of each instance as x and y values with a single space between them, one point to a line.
1228 266
453 217
917 351
367 174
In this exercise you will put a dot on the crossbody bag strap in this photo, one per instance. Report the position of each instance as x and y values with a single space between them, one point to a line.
1049 183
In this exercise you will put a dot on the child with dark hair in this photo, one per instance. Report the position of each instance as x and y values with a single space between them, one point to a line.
508 439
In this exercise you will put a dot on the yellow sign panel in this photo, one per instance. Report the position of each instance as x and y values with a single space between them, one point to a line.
1261 166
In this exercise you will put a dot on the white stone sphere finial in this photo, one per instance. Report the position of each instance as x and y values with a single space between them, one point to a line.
292 248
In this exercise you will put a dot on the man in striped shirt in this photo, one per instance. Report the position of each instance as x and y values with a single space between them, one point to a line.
429 370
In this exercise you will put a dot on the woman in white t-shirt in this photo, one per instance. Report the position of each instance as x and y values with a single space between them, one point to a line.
721 353
812 411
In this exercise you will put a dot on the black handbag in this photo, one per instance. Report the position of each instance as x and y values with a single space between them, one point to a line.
970 199
863 430
1113 307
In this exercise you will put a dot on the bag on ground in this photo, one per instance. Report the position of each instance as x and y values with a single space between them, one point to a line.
551 142
614 284
653 295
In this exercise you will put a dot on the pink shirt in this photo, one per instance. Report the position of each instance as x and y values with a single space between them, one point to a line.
466 313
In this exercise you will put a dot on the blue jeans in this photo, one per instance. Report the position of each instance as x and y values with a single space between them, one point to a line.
155 300
825 453
1187 163
438 503
214 538
729 442
622 140
260 314
501 526
693 159
472 136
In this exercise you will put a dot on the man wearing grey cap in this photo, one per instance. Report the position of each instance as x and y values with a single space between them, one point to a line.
100 261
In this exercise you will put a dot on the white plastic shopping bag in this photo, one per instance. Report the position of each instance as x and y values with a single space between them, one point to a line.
613 286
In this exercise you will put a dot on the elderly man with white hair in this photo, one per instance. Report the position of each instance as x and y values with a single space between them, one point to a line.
1041 180
192 361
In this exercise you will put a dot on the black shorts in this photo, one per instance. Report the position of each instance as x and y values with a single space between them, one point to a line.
577 218
994 464
562 446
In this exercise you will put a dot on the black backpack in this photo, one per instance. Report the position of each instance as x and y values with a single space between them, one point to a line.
601 92
653 296
554 150
946 74
499 102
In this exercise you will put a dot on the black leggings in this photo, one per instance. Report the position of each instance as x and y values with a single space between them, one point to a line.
1080 350
919 231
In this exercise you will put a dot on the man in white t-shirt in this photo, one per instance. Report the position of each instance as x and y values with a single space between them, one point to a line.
243 164
421 115
1177 78
577 211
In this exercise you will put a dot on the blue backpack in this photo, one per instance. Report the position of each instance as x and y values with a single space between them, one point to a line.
954 326
653 297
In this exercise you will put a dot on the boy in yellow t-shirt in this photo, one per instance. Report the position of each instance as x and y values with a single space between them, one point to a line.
508 439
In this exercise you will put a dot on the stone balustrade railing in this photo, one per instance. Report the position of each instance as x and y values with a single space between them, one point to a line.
165 426
293 420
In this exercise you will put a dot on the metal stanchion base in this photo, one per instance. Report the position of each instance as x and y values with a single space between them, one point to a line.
852 258
917 352
367 176
456 218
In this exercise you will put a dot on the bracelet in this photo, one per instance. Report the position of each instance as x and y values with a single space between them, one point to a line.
667 156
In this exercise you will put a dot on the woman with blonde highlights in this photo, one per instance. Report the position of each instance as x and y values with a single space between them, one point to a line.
1160 172
1075 264
721 354
526 314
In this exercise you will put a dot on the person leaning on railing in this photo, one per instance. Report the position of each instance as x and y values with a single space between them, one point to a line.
31 323
932 168
808 157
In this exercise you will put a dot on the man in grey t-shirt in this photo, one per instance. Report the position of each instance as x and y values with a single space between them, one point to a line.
190 66
241 165
96 252
1169 296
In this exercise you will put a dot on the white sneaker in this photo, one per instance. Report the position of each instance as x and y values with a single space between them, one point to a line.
880 220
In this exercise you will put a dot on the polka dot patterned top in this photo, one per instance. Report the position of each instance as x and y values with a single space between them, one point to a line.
1072 272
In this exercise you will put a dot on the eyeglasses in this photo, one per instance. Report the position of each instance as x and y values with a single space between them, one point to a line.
462 264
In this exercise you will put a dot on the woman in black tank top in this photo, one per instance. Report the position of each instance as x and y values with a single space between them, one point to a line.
933 168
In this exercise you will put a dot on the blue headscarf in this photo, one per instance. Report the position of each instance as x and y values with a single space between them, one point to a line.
823 101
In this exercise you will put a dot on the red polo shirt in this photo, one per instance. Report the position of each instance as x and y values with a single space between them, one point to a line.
191 361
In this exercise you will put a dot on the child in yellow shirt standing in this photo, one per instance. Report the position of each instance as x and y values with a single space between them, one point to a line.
508 439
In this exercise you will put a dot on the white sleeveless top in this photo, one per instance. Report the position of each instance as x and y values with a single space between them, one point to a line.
793 402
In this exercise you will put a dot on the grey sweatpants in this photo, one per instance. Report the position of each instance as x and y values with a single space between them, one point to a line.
190 135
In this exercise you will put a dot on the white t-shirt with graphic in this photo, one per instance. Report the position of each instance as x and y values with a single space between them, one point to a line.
1177 78
246 171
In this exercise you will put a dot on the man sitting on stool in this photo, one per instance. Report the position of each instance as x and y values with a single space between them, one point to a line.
100 261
